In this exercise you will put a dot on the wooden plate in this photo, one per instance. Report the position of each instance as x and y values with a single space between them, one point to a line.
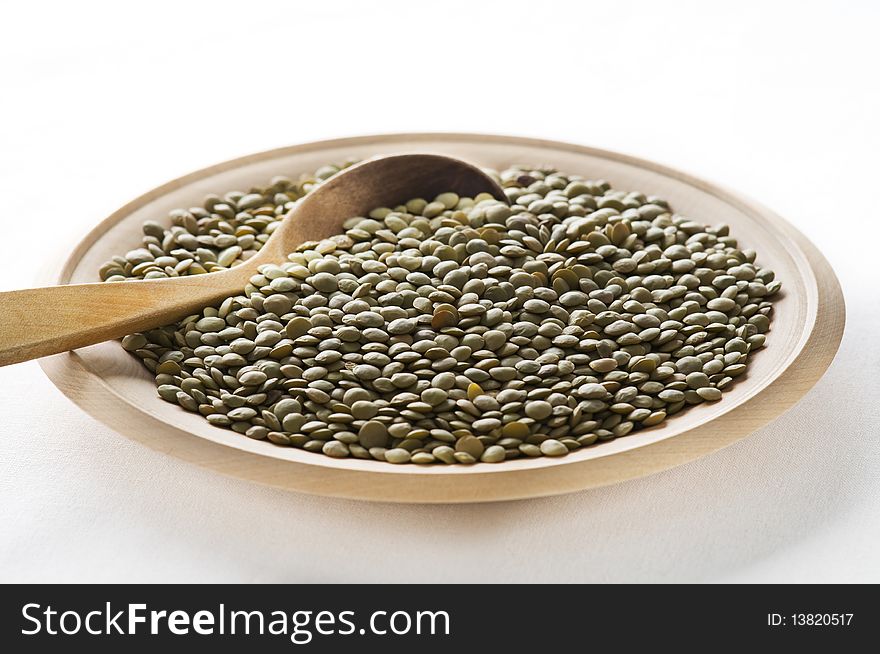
807 327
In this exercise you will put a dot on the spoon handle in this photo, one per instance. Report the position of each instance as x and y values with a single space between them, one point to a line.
38 322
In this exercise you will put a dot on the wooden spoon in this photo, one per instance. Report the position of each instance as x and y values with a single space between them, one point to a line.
38 322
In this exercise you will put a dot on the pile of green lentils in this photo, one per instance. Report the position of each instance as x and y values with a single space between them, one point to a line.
452 329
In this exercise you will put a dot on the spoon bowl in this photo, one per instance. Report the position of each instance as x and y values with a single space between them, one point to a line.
380 182
85 314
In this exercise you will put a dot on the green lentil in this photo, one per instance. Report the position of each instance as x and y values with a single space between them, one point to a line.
455 330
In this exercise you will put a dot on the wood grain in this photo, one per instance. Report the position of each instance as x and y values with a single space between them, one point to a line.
806 331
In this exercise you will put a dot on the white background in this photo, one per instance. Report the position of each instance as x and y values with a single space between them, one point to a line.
101 102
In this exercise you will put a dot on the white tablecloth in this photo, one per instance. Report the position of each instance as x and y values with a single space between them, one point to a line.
780 100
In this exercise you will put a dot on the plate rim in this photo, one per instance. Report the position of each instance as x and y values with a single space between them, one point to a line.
373 480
